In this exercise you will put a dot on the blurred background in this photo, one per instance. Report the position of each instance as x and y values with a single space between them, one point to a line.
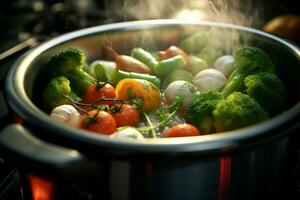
26 23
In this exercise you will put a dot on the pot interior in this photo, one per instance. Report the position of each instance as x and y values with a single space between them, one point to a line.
152 36
160 38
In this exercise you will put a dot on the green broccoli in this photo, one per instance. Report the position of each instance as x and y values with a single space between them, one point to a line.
268 90
55 92
199 113
248 60
236 111
69 63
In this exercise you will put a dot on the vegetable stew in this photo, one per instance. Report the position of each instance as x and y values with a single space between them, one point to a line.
183 90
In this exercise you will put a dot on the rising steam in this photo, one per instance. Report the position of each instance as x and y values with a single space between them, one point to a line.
240 12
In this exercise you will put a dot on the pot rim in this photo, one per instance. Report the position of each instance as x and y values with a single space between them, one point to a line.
78 139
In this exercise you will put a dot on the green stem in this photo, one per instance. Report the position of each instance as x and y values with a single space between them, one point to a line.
77 104
236 80
235 84
162 123
92 105
80 80
107 99
153 133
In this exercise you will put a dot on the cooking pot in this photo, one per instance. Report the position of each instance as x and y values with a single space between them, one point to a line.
249 163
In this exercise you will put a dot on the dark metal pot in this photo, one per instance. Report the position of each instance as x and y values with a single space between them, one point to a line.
249 163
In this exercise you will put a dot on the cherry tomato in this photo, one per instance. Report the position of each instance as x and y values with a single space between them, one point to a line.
127 116
182 130
103 122
96 91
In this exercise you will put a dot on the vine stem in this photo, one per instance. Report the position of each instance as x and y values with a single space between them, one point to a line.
93 105
174 107
153 133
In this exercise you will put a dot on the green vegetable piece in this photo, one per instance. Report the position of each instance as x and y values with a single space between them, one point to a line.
96 69
103 70
55 92
268 90
164 67
195 43
209 54
178 74
112 74
145 57
200 111
122 74
70 63
238 110
248 60
198 64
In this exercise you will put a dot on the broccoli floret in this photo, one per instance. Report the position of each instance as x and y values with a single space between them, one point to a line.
69 63
55 92
65 61
268 90
248 60
236 111
199 113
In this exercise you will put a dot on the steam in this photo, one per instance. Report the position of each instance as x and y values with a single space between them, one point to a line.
238 12
244 13
143 9
247 13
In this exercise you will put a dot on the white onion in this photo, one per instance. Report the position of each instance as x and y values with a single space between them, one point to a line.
209 79
225 64
66 114
182 89
128 133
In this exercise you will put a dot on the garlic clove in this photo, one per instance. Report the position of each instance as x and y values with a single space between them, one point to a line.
66 114
209 79
225 64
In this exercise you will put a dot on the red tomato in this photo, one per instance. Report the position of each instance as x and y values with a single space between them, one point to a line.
182 130
128 116
95 92
102 123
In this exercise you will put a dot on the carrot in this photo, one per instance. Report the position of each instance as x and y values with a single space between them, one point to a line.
132 89
130 64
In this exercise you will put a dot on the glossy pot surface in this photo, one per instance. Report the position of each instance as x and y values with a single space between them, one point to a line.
248 163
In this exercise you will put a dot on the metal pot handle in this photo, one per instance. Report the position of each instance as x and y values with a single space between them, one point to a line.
19 143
